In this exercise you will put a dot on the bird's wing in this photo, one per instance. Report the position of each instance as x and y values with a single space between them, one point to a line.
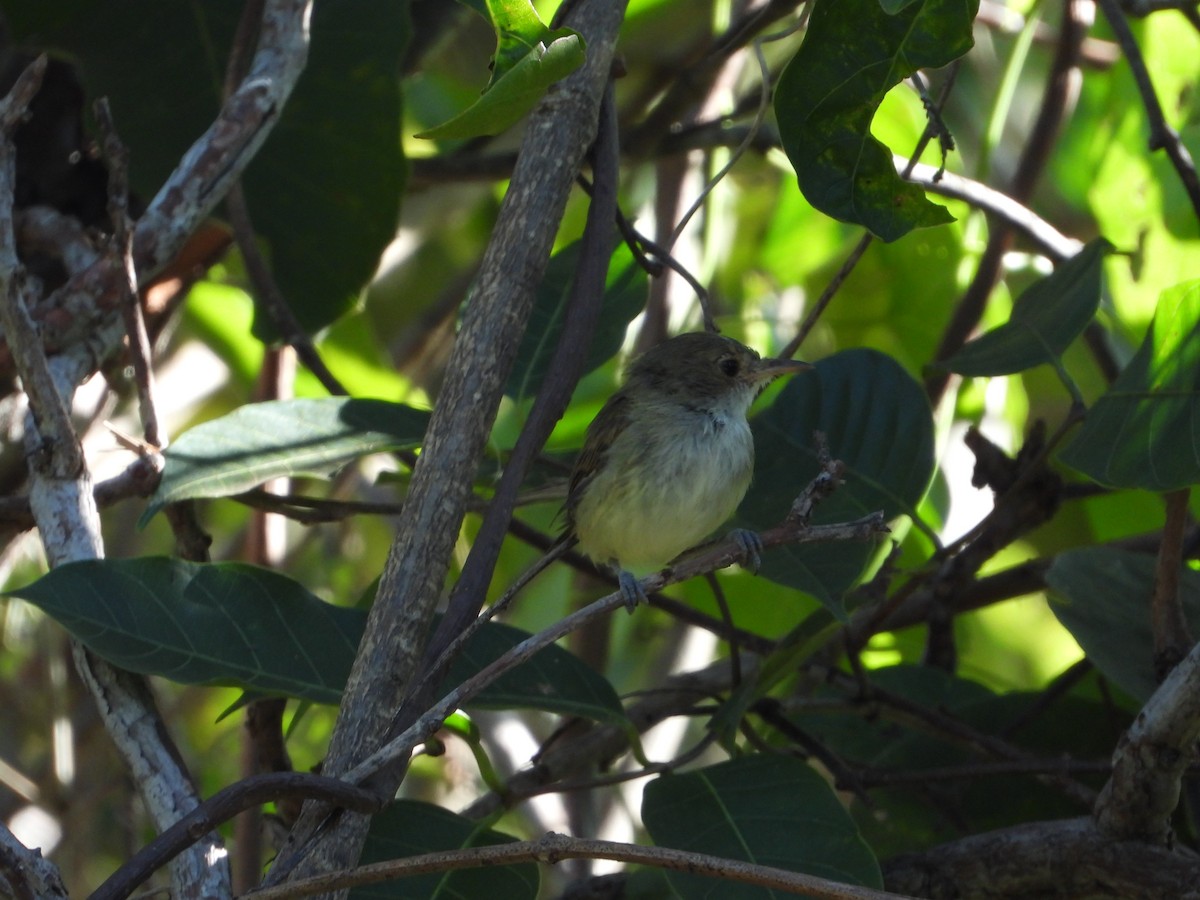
605 428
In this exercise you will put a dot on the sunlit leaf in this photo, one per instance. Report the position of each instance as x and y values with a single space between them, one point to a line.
1145 431
877 421
772 810
250 627
261 441
1104 601
1045 319
624 298
519 28
513 95
854 52
410 828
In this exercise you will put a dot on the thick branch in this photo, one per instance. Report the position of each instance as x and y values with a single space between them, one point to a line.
1150 760
1047 859
557 136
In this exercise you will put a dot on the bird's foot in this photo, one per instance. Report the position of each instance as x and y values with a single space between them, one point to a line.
752 548
631 590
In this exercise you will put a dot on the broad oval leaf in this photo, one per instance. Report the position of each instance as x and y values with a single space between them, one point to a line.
261 441
242 625
624 298
877 421
765 809
1145 431
410 828
853 53
517 91
1046 318
1105 604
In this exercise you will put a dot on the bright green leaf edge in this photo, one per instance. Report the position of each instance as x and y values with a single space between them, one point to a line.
1045 319
261 441
1145 431
516 93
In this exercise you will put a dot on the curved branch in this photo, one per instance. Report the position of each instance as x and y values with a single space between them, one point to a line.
553 848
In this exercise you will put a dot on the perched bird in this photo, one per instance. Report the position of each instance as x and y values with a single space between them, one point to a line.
669 457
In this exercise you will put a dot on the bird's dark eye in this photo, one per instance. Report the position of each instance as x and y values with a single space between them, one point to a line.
730 366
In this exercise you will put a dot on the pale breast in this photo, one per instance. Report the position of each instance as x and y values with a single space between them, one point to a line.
684 474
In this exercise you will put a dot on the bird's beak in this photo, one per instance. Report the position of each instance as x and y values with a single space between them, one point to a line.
765 371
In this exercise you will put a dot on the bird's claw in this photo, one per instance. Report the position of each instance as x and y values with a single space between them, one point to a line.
631 590
752 547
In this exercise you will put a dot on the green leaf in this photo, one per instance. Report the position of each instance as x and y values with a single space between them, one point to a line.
906 817
553 680
1105 604
877 421
241 625
518 30
1045 319
1145 431
513 95
853 54
324 191
624 298
225 624
410 827
764 809
261 441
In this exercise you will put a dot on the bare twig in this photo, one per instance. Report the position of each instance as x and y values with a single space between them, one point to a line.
267 291
117 156
1162 135
709 558
553 848
220 808
1172 637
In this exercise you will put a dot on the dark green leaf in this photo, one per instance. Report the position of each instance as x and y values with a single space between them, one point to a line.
553 680
1145 431
1045 319
516 93
624 298
853 54
241 625
261 441
324 190
877 421
764 809
915 813
1104 601
226 624
409 828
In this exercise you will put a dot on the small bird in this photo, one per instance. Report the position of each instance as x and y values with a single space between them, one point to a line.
669 456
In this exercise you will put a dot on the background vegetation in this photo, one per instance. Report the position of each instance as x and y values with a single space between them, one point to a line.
997 697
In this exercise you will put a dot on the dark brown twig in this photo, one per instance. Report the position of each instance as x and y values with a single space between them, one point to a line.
220 808
117 156
1169 625
1162 135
